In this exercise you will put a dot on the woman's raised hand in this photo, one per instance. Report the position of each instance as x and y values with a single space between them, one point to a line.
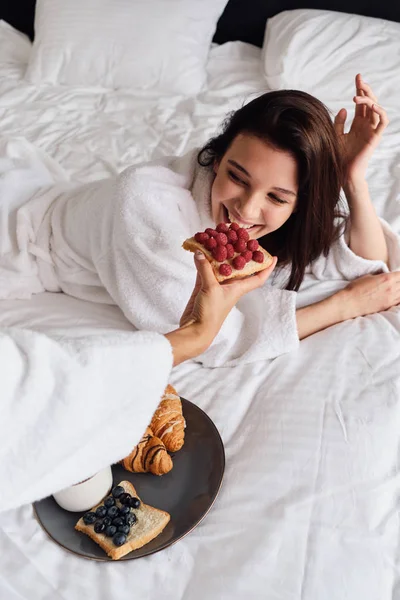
370 121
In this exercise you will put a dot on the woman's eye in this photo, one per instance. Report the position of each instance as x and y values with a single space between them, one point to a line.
276 199
235 178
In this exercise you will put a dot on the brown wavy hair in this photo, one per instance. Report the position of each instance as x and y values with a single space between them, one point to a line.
300 124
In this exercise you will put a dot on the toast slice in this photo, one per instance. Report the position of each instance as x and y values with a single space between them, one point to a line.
251 266
150 523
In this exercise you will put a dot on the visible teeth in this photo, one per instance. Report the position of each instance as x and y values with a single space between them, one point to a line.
233 220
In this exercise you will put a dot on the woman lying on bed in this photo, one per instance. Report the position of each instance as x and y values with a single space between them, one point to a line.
277 170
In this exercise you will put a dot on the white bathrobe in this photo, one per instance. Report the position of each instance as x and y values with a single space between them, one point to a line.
119 241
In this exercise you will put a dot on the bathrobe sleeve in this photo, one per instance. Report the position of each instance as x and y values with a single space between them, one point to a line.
342 263
71 407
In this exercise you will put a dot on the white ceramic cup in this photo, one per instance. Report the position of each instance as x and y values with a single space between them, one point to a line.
86 494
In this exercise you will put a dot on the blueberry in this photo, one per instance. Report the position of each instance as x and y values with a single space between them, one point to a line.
89 518
107 521
112 511
99 526
110 530
118 521
119 539
109 502
117 491
101 511
124 510
124 498
134 502
130 519
124 529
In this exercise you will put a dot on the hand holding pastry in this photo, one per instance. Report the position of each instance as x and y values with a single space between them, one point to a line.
216 292
208 307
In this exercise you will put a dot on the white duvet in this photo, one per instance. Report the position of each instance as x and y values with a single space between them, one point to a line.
309 504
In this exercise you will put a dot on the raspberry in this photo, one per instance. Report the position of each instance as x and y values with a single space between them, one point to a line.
234 226
258 256
242 234
239 263
222 228
201 237
252 245
230 250
225 269
211 232
220 253
232 236
221 238
240 246
247 255
210 243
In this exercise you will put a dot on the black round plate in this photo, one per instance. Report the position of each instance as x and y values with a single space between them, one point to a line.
187 492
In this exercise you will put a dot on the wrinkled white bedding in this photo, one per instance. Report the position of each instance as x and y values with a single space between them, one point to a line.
309 504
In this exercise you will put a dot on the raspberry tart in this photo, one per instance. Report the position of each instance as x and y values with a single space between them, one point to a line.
230 251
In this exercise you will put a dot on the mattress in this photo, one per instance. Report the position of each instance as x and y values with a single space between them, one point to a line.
309 505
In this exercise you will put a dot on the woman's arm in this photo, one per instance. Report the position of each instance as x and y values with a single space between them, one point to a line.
366 234
370 120
316 317
364 296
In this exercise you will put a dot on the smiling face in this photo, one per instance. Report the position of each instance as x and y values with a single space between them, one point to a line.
255 185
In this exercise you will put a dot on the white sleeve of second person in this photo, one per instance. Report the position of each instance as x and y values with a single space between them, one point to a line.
70 407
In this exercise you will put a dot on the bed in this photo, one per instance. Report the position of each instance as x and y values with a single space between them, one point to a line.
309 507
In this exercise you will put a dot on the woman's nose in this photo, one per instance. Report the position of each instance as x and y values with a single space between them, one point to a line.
251 206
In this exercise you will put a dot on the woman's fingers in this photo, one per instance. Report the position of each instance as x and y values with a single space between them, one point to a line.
363 89
360 109
205 273
362 85
367 91
340 121
383 120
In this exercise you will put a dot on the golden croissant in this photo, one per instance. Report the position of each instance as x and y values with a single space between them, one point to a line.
168 422
149 455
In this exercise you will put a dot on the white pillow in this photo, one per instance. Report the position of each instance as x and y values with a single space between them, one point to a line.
15 47
321 52
146 45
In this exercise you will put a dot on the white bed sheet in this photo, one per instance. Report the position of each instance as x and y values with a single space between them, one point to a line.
309 504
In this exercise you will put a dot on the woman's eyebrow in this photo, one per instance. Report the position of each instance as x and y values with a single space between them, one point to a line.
235 164
283 191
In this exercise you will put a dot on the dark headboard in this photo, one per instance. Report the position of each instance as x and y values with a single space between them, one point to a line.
241 20
245 19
